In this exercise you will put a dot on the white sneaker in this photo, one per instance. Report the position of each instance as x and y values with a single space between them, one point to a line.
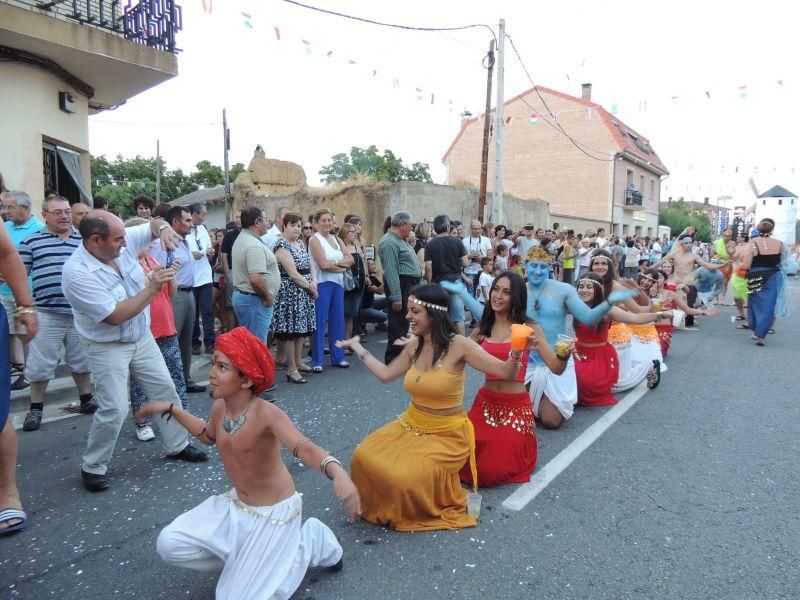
145 434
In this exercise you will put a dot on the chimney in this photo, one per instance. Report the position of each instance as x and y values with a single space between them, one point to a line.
586 92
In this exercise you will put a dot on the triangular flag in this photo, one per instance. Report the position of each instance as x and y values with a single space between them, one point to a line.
449 106
277 34
207 6
431 98
395 82
555 117
351 62
374 72
613 109
307 44
743 91
329 53
534 118
247 20
589 112
419 93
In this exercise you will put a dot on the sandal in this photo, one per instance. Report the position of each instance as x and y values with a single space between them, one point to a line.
291 379
304 368
341 365
13 514
654 375
771 330
316 369
742 327
759 341
739 318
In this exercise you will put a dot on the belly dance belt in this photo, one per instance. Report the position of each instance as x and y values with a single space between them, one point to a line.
644 333
619 336
502 410
421 423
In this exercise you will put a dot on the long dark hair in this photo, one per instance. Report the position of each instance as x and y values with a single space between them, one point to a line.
599 294
519 302
442 328
608 280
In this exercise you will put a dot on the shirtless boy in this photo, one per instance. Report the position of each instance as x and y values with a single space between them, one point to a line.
685 262
254 533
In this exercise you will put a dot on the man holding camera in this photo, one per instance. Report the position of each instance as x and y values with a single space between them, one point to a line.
525 239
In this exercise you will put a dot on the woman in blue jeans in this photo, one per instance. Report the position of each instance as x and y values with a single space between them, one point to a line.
328 262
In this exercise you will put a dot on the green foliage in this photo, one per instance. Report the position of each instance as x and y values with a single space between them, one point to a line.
123 179
797 230
678 217
369 162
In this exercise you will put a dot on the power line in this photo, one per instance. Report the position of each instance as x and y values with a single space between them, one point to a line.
383 24
555 124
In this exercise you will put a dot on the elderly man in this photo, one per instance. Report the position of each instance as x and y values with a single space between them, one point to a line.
256 278
477 247
202 249
44 255
401 272
79 211
110 296
19 224
276 230
183 305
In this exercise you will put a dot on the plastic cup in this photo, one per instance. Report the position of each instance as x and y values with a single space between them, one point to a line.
656 305
474 504
519 336
733 318
562 343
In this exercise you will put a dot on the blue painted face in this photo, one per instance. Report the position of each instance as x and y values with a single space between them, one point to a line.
538 272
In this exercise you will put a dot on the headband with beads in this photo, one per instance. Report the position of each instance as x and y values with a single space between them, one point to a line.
428 304
585 279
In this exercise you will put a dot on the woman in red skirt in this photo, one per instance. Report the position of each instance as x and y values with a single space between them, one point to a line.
505 440
596 362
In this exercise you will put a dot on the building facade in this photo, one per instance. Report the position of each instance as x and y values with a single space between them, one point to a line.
606 176
66 60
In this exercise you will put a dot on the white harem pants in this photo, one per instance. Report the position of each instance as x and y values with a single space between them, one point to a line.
562 390
263 552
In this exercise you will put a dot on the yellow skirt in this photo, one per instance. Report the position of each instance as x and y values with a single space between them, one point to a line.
407 471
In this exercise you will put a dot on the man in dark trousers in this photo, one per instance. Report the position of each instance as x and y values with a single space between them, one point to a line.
401 272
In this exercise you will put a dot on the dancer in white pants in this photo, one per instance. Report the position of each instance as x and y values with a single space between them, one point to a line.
253 534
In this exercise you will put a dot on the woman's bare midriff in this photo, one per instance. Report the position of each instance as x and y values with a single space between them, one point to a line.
505 387
442 412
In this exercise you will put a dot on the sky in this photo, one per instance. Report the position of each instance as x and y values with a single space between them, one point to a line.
675 72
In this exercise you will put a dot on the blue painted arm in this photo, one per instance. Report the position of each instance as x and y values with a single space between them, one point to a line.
592 316
472 304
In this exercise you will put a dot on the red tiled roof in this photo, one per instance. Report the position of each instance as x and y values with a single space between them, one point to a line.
627 140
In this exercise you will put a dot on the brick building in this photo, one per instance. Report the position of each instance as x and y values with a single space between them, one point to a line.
619 192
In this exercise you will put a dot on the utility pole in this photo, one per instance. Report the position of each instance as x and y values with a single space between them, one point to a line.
226 145
485 148
158 172
499 135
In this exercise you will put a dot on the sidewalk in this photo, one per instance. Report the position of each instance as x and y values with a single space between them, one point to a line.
61 393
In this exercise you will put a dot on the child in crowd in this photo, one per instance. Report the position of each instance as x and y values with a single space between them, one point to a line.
485 280
501 257
254 533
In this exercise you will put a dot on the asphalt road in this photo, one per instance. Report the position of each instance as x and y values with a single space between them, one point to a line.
692 493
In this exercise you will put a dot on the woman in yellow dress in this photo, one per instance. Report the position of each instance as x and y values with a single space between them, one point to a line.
407 472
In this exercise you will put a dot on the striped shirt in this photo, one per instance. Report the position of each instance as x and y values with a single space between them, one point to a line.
44 255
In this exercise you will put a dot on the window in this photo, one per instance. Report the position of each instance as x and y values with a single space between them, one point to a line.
641 183
629 178
652 189
780 201
763 202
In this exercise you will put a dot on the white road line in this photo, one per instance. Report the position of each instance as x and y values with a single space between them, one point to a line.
547 474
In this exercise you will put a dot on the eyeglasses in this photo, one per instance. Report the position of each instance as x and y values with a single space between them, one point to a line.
59 213
309 228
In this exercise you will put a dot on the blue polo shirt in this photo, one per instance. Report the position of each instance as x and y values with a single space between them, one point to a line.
17 233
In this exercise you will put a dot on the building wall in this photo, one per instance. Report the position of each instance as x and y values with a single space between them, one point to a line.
29 116
540 162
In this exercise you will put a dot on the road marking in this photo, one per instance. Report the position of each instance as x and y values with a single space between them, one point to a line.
547 474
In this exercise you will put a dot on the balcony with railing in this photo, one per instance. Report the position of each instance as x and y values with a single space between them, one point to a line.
107 50
153 23
633 198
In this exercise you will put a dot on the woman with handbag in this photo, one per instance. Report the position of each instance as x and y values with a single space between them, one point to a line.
328 264
354 278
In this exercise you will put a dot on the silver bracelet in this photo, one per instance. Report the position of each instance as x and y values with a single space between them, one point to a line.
326 461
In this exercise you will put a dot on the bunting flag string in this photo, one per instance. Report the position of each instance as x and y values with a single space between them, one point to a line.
248 22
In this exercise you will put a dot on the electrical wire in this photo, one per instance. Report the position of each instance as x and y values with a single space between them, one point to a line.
555 124
393 25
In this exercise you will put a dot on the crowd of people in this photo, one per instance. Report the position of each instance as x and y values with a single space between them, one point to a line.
127 305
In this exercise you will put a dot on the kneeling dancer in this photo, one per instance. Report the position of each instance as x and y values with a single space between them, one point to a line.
254 533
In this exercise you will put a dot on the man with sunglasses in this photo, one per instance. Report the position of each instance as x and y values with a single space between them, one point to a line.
44 255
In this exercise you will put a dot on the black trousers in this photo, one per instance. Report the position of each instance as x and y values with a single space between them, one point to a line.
691 298
398 326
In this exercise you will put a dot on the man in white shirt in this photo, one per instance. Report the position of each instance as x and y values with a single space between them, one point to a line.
477 247
202 249
601 240
110 299
276 230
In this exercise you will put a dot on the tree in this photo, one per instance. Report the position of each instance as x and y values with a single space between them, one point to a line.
369 162
123 179
678 217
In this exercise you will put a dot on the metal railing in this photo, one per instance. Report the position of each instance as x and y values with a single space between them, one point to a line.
633 198
152 23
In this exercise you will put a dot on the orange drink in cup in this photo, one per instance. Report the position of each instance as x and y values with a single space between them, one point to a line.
562 344
656 304
519 336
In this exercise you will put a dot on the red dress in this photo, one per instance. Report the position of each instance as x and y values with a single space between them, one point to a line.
665 330
597 367
506 448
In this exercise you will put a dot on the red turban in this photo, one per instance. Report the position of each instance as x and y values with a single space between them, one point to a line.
249 355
